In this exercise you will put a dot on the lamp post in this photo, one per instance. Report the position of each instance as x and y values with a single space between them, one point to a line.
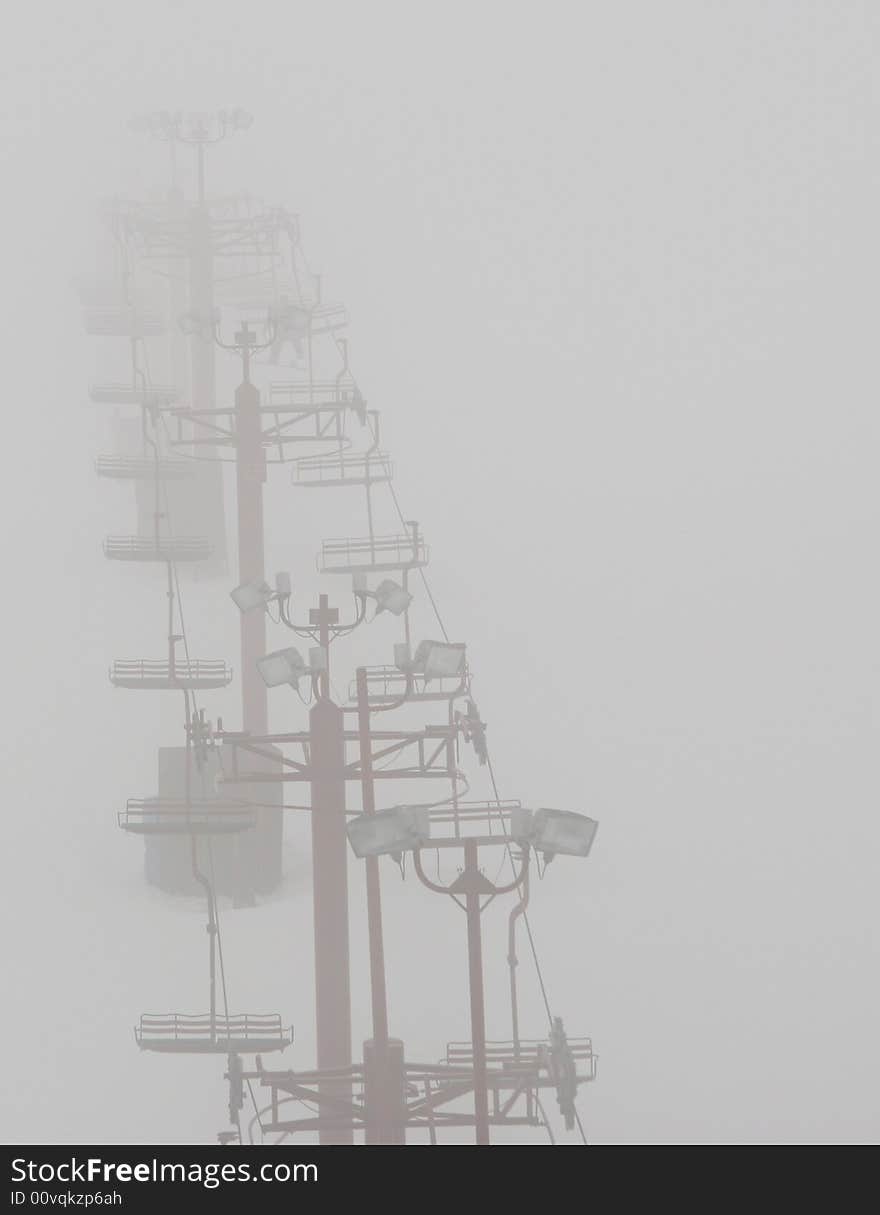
408 829
330 879
250 474
198 131
327 772
473 886
386 1112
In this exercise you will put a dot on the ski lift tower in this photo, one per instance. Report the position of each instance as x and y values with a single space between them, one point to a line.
219 796
225 245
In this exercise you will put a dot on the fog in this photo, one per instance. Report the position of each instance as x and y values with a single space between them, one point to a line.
611 275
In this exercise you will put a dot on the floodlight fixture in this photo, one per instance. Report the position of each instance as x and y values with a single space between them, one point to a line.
521 824
563 831
258 594
552 832
436 659
282 666
391 597
289 666
252 595
390 832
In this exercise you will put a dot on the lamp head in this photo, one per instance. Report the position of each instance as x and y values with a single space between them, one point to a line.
282 666
289 666
553 832
391 597
436 659
252 595
390 832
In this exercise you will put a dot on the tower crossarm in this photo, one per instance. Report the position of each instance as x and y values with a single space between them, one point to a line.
279 425
431 757
517 1075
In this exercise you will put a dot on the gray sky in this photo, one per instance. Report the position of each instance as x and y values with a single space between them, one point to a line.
612 270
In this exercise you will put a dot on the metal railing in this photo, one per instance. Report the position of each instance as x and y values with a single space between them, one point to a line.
318 471
390 684
165 816
192 673
379 553
141 468
129 394
317 393
527 1055
149 548
181 1031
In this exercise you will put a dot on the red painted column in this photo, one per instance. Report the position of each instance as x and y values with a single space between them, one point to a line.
330 902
